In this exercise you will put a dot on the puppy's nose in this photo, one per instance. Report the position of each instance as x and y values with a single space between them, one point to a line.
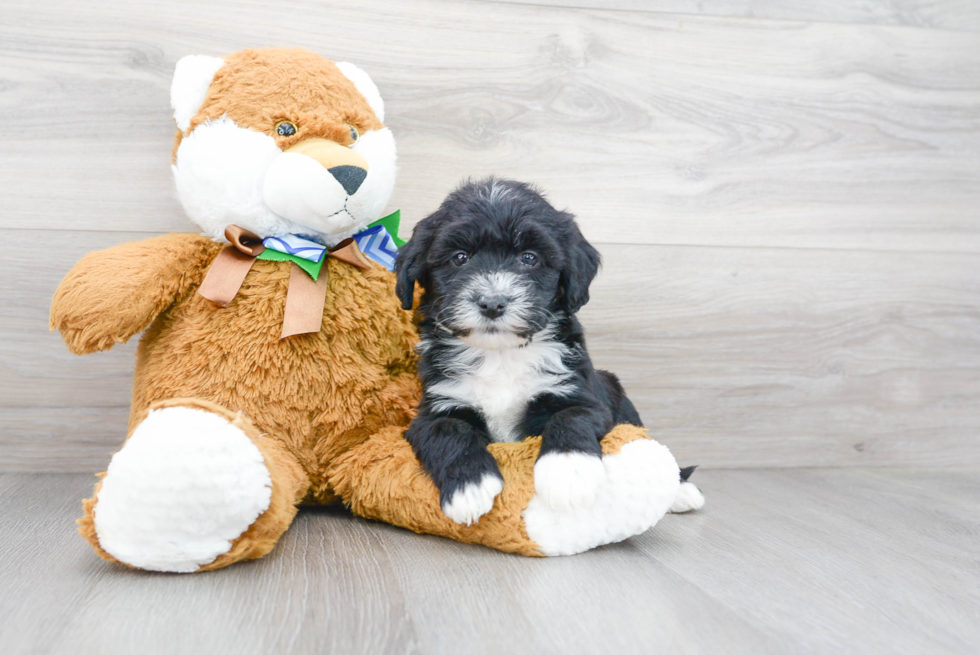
492 306
350 177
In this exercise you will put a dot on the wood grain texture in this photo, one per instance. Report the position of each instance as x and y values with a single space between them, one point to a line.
654 128
733 356
789 211
942 14
810 561
817 357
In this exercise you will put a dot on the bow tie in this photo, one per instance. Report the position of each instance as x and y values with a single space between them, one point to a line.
307 290
379 242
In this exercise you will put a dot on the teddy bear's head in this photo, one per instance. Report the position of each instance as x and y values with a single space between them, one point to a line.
280 142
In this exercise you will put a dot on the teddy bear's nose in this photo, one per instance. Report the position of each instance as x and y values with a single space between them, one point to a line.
346 166
350 177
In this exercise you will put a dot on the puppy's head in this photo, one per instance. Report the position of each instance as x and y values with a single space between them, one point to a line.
497 262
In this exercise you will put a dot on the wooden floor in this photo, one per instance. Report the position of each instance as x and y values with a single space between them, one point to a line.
790 561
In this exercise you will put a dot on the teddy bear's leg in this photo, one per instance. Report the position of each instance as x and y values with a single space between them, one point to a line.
195 487
382 479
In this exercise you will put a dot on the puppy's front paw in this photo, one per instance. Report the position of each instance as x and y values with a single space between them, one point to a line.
474 499
566 481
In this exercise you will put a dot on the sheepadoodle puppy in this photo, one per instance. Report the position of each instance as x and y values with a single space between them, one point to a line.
502 355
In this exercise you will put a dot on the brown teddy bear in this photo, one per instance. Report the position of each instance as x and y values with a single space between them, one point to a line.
276 366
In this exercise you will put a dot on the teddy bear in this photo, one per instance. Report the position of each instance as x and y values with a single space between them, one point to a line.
276 365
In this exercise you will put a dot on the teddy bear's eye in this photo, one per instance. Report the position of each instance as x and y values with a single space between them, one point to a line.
354 134
285 128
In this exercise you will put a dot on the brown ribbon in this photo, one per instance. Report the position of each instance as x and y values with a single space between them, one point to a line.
305 296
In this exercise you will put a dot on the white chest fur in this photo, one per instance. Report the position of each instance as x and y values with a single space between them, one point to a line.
501 383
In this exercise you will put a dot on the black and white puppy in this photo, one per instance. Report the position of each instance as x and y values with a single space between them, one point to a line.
502 356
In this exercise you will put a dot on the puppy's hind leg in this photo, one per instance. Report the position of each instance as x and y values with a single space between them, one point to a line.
689 497
615 397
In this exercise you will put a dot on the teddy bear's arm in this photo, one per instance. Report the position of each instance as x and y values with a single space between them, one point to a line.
112 294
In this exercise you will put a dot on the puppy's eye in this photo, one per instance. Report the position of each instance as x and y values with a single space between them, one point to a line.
529 259
460 258
354 134
285 128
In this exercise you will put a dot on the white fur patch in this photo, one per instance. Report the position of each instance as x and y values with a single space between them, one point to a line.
493 333
501 383
185 485
226 174
497 192
368 204
193 75
219 174
365 85
474 500
689 498
640 484
300 187
567 481
483 340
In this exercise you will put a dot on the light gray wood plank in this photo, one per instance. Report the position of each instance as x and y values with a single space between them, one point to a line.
812 561
328 589
60 439
944 14
816 358
734 357
36 368
46 570
59 597
654 128
614 602
842 552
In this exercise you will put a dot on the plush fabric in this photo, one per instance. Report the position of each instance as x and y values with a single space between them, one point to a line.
325 410
258 88
397 490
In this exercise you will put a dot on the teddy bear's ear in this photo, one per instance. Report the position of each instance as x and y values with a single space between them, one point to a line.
363 82
192 77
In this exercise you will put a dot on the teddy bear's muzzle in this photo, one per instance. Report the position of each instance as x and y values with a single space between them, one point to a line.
310 183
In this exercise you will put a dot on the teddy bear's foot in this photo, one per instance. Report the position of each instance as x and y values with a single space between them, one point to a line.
639 485
182 489
194 487
382 479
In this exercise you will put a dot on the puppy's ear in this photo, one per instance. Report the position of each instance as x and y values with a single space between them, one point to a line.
410 264
580 269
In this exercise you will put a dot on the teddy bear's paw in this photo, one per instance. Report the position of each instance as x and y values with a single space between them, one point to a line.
639 485
186 484
567 481
473 500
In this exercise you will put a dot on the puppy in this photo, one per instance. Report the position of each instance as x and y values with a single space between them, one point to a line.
502 356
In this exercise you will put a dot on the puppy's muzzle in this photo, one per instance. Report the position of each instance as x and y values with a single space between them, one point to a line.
492 305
